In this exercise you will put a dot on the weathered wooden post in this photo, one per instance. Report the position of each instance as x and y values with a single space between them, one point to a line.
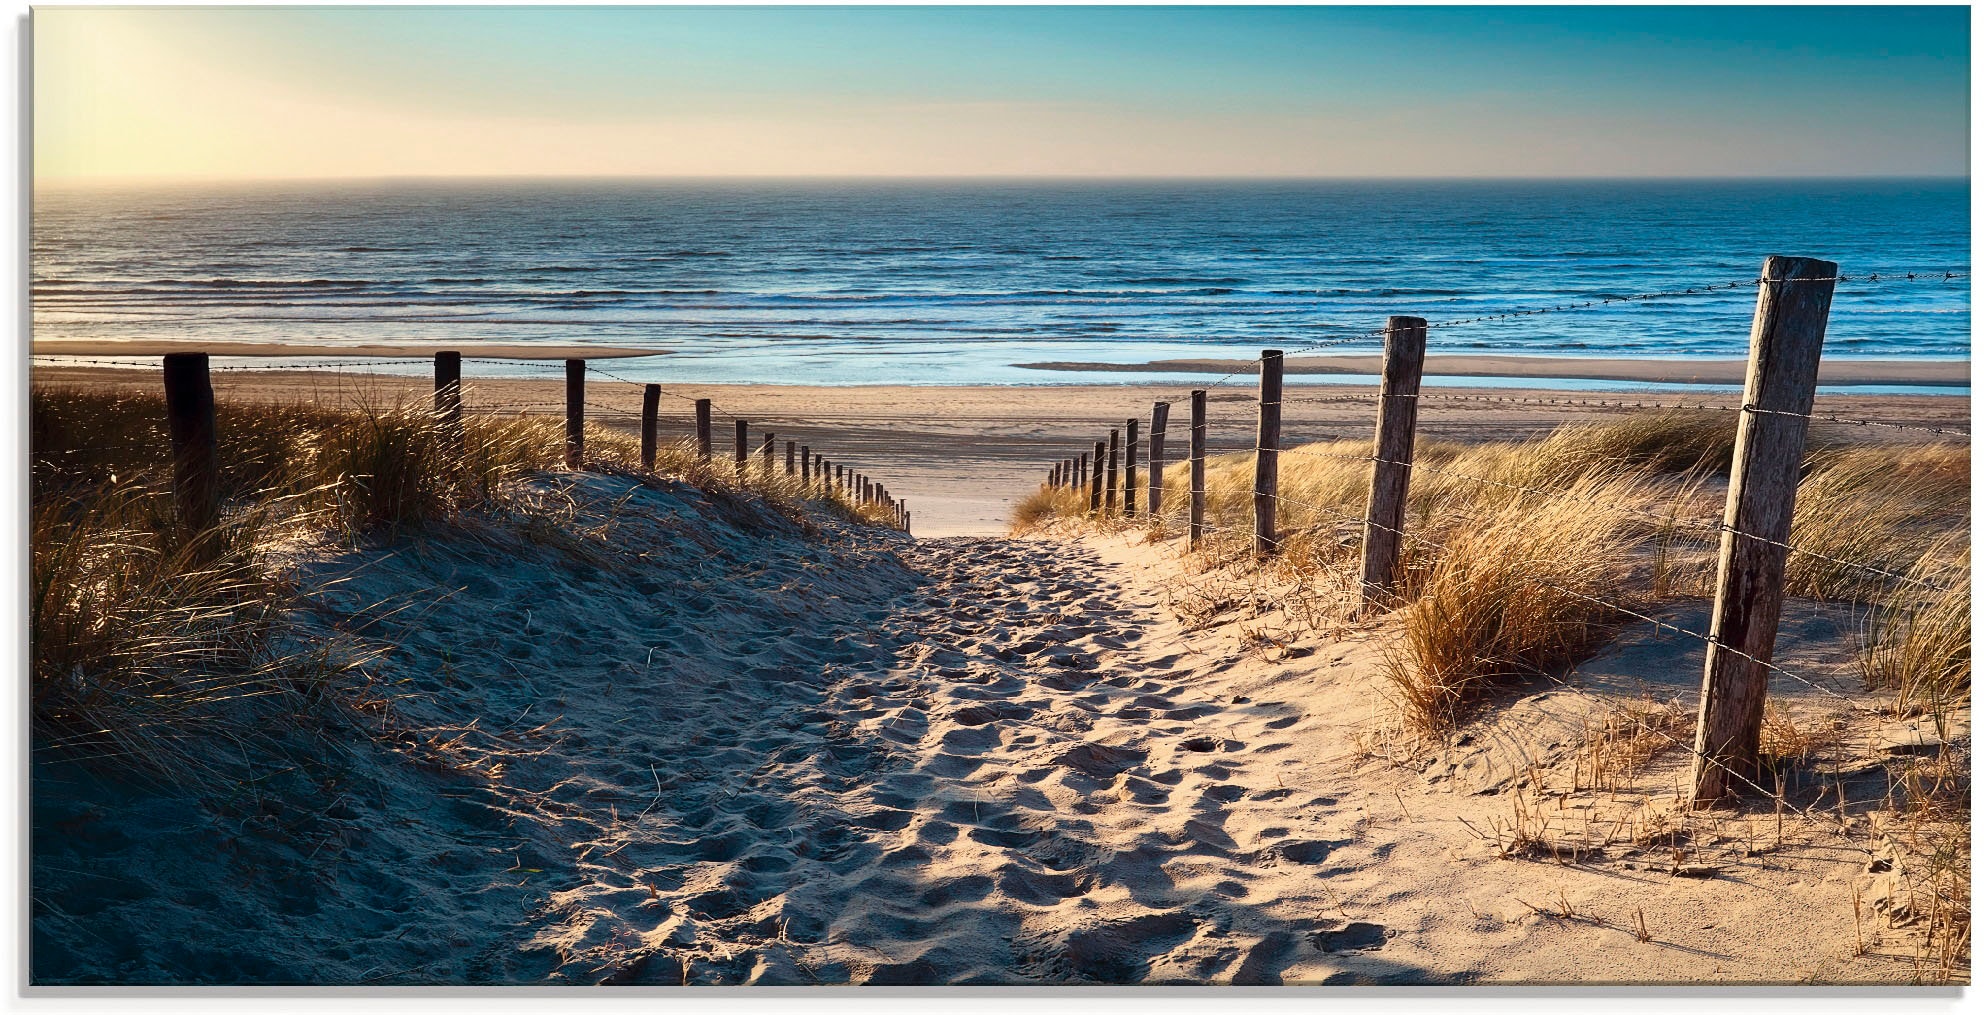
1786 335
1267 454
1081 470
1095 481
806 466
575 413
189 418
448 390
840 481
1391 449
703 435
791 453
1109 484
743 446
1130 466
650 421
765 451
1195 526
1160 417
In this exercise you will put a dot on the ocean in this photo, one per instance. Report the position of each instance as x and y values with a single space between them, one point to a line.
859 282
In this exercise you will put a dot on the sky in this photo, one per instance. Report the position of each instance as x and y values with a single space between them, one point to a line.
354 92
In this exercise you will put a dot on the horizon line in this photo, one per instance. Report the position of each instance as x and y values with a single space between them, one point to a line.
117 180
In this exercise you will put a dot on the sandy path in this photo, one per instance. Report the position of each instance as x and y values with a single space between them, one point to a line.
1028 789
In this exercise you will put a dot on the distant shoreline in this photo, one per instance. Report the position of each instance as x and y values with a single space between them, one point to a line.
1935 373
1926 373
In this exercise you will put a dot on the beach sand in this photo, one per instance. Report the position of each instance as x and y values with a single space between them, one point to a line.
961 456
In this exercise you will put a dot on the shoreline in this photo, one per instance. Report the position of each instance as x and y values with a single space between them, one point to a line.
1928 373
1443 368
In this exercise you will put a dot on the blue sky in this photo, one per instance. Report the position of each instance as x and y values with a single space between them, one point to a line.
1288 91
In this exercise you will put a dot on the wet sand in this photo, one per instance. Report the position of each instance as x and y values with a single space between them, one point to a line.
394 350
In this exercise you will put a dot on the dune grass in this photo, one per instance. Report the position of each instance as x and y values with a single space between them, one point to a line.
1622 511
146 640
1889 507
1523 591
1918 642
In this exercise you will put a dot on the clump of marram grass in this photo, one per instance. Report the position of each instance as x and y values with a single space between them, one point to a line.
141 638
1917 643
1048 504
1886 507
1526 591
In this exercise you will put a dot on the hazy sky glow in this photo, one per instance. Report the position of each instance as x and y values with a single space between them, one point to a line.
471 91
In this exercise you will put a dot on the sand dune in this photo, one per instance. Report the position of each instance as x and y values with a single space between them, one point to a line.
691 741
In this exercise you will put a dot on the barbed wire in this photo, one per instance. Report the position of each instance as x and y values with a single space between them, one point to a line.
1827 417
1700 290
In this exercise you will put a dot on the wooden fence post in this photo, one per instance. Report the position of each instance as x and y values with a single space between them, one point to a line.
791 451
839 470
575 413
1160 417
1391 472
703 436
1109 485
743 448
650 420
1267 454
1095 480
1786 336
448 390
1195 526
1130 467
806 466
189 418
765 451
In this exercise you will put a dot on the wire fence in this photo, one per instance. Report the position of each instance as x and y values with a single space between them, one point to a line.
1264 540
